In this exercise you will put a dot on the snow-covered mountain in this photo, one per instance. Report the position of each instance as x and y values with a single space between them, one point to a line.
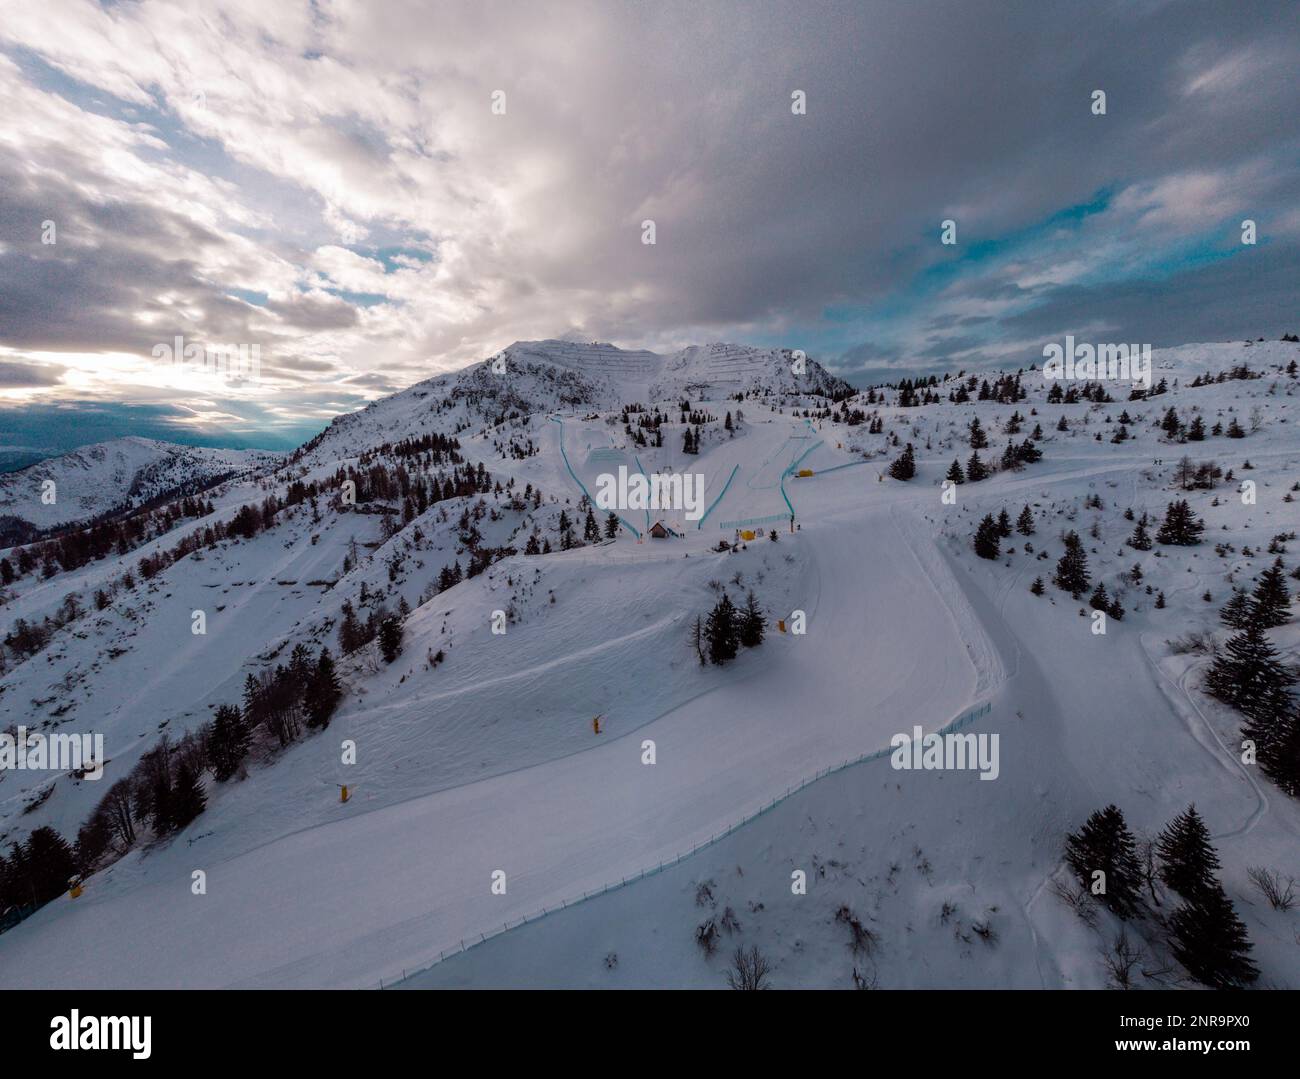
112 476
541 377
548 718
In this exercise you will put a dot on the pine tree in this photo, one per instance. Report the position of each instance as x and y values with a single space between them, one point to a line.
227 742
45 863
720 632
1100 601
1235 614
1170 424
187 798
904 466
1208 938
1181 528
350 635
611 526
1004 524
1141 539
988 539
1249 675
1037 587
1105 844
752 623
1235 429
955 474
1188 862
978 440
390 638
591 530
1072 568
976 470
1271 601
1279 755
323 691
1025 522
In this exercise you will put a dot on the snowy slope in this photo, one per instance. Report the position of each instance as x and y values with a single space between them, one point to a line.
488 760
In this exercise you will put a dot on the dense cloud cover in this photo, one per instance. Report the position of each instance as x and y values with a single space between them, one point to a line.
329 181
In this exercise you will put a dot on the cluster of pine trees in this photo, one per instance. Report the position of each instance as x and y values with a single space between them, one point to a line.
164 791
1089 391
1203 932
719 637
381 624
1249 676
991 531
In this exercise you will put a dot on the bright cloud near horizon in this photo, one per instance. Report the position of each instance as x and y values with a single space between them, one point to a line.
329 180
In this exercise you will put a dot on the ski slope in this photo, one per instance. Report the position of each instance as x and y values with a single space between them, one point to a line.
332 906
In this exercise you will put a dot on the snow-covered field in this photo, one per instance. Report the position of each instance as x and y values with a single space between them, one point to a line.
486 760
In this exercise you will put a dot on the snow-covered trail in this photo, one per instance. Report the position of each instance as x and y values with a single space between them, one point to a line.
363 898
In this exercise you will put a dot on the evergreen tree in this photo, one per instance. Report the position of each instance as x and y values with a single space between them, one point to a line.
1208 938
720 632
390 638
1170 424
350 633
1025 522
976 469
1141 538
187 799
591 530
1099 601
978 439
227 742
1105 844
1235 614
1188 862
611 526
1072 568
1271 601
45 863
1279 752
1235 429
955 473
1037 587
1181 528
988 539
323 691
904 466
1196 431
752 623
1004 524
1249 675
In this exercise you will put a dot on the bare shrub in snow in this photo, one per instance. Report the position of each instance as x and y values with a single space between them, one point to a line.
863 940
1201 643
1280 896
1076 897
706 936
1122 959
749 970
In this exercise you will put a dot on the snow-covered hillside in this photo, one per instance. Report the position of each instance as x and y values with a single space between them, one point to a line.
112 476
482 791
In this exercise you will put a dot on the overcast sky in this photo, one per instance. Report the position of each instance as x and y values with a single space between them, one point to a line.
330 181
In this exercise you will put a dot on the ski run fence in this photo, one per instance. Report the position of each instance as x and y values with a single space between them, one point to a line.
963 720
